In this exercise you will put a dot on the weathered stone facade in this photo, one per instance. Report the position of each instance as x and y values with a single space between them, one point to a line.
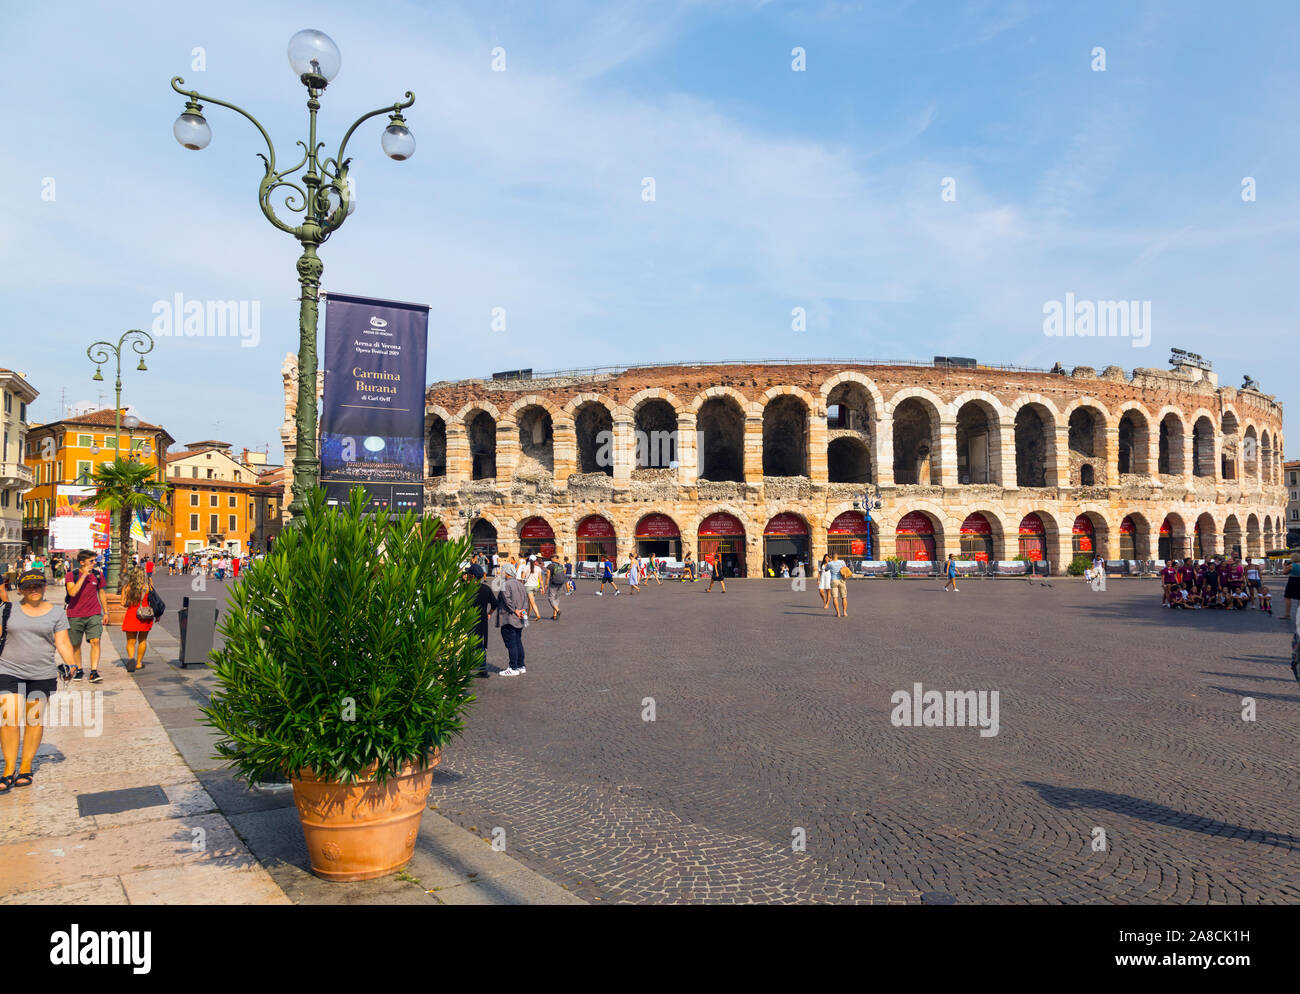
1154 448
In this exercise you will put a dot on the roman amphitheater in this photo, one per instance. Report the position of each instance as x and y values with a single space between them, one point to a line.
763 463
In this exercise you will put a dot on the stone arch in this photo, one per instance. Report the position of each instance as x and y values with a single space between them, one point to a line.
530 400
848 460
753 535
852 376
1086 420
1206 536
1229 443
485 406
999 524
1134 434
436 419
1266 457
1052 530
1233 535
481 431
654 393
593 428
1034 422
979 422
1103 532
720 420
656 428
536 435
1175 544
1254 545
786 420
1250 461
1171 443
785 390
937 517
1203 446
916 420
704 396
1140 536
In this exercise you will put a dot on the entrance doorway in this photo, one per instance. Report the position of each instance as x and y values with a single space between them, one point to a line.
1033 538
536 538
914 538
721 541
596 540
1083 537
483 536
976 538
847 537
658 535
785 543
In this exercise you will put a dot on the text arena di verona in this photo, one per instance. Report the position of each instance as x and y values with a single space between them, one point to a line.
763 462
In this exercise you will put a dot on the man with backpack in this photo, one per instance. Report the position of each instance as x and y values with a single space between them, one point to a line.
86 608
555 586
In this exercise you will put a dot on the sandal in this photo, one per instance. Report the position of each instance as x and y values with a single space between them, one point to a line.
6 784
21 779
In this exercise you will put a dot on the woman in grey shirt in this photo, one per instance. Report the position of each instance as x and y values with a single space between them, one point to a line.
35 638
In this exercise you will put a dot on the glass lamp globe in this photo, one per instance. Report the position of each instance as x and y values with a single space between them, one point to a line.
192 131
130 421
313 54
397 142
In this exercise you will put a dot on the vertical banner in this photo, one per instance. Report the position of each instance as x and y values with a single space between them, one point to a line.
372 422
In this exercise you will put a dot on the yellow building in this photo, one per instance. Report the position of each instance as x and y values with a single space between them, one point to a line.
15 477
217 501
66 453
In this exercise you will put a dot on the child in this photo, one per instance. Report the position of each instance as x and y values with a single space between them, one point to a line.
1265 599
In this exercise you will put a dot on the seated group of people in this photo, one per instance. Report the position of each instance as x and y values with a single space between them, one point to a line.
1222 582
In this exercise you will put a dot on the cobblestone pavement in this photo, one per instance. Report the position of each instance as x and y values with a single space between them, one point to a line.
771 716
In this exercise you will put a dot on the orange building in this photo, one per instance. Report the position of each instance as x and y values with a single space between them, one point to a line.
217 501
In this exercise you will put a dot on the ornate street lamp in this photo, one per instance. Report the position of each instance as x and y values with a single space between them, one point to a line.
870 501
322 195
100 353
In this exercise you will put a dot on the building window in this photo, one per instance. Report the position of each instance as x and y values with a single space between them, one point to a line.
233 501
212 524
212 500
194 522
9 402
233 526
194 472
194 498
83 471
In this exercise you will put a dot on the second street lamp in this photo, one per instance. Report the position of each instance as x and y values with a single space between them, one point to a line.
322 195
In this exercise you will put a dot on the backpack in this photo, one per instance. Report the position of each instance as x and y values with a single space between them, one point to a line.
4 625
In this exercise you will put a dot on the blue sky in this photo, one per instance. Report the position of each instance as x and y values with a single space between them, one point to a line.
774 189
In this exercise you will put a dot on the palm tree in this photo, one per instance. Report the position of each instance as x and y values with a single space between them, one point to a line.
122 489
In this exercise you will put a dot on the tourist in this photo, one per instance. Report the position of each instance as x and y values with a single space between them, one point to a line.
141 605
148 569
634 575
35 637
715 573
496 564
839 573
824 581
234 565
1295 651
607 576
485 603
952 574
1211 589
1168 581
1252 579
654 569
556 580
1265 599
533 584
86 606
689 571
569 584
512 617
1292 590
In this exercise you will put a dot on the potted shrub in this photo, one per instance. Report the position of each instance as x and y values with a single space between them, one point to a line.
349 653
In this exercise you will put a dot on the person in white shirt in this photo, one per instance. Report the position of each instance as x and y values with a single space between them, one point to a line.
839 588
634 575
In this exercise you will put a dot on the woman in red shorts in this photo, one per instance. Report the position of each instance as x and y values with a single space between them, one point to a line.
135 601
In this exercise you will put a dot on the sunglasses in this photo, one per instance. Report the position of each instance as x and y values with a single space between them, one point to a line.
31 586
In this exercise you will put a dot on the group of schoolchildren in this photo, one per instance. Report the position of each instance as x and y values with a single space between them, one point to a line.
1223 582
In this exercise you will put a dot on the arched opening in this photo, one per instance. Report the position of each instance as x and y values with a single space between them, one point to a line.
1266 457
1171 445
1132 537
1084 537
1205 537
536 442
1087 441
658 535
596 540
435 448
848 460
656 435
785 543
482 431
1033 537
1254 539
785 437
536 538
1203 448
916 443
1172 543
1228 446
721 542
848 538
1232 537
1032 446
979 445
848 433
1134 444
914 538
976 538
1250 455
722 425
483 536
594 427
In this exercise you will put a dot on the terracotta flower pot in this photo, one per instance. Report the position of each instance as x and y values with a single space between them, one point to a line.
362 830
116 612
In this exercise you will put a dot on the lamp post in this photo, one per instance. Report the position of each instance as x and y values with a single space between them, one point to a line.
323 196
99 353
870 499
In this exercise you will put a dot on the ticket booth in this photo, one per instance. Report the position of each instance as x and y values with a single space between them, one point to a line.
536 538
1082 537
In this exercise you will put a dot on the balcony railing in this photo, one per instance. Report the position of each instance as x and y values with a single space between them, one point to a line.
15 474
